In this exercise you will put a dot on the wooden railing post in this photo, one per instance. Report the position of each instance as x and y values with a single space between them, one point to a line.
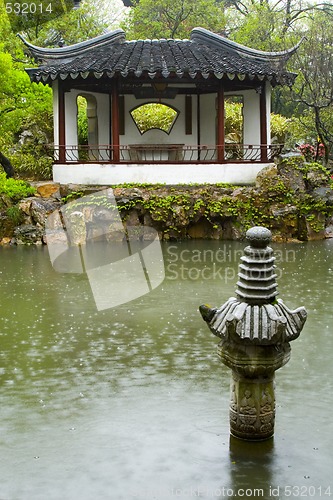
61 124
263 124
115 122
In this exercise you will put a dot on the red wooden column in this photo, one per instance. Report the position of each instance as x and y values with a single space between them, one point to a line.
115 122
220 124
263 123
61 123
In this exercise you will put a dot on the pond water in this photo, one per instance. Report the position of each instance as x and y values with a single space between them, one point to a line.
132 401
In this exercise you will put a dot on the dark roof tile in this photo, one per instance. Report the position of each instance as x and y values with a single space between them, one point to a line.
206 54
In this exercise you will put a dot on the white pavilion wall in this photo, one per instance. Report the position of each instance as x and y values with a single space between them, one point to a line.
251 115
208 119
102 102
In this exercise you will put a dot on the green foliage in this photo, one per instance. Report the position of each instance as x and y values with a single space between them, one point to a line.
25 17
313 87
74 195
26 122
82 120
260 27
279 128
15 214
23 107
15 189
233 123
69 26
173 18
154 115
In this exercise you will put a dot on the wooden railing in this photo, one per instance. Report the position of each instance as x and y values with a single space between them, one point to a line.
165 153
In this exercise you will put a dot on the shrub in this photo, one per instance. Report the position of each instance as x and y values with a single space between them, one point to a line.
310 153
15 189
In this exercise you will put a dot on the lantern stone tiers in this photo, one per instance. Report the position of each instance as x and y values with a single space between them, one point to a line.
255 330
192 77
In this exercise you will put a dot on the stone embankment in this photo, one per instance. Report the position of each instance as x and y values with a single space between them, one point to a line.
292 198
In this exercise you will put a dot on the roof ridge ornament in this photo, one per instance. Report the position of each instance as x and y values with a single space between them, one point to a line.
204 35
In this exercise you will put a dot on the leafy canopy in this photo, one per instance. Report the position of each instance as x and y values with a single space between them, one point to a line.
173 18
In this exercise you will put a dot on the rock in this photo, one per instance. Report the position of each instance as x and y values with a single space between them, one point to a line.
200 230
324 193
282 211
316 177
76 228
285 222
41 208
316 226
181 216
328 232
5 241
5 201
7 226
291 170
28 235
132 218
238 191
25 205
265 175
48 189
104 215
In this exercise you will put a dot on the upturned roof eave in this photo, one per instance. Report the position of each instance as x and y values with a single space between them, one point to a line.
42 53
203 35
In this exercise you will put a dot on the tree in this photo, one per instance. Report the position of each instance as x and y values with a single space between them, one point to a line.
278 17
314 87
29 16
173 18
26 123
90 19
7 166
23 106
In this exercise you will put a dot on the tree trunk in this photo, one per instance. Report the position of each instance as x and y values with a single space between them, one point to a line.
7 166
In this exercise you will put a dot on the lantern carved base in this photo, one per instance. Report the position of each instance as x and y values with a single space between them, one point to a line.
252 395
252 408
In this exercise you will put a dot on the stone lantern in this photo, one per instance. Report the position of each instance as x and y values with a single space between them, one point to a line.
255 330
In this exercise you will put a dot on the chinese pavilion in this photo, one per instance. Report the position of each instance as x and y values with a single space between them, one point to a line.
191 79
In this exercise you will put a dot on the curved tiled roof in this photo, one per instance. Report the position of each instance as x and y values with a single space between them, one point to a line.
204 55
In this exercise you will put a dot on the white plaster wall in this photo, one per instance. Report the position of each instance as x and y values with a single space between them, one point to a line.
251 112
103 113
71 117
104 174
208 119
